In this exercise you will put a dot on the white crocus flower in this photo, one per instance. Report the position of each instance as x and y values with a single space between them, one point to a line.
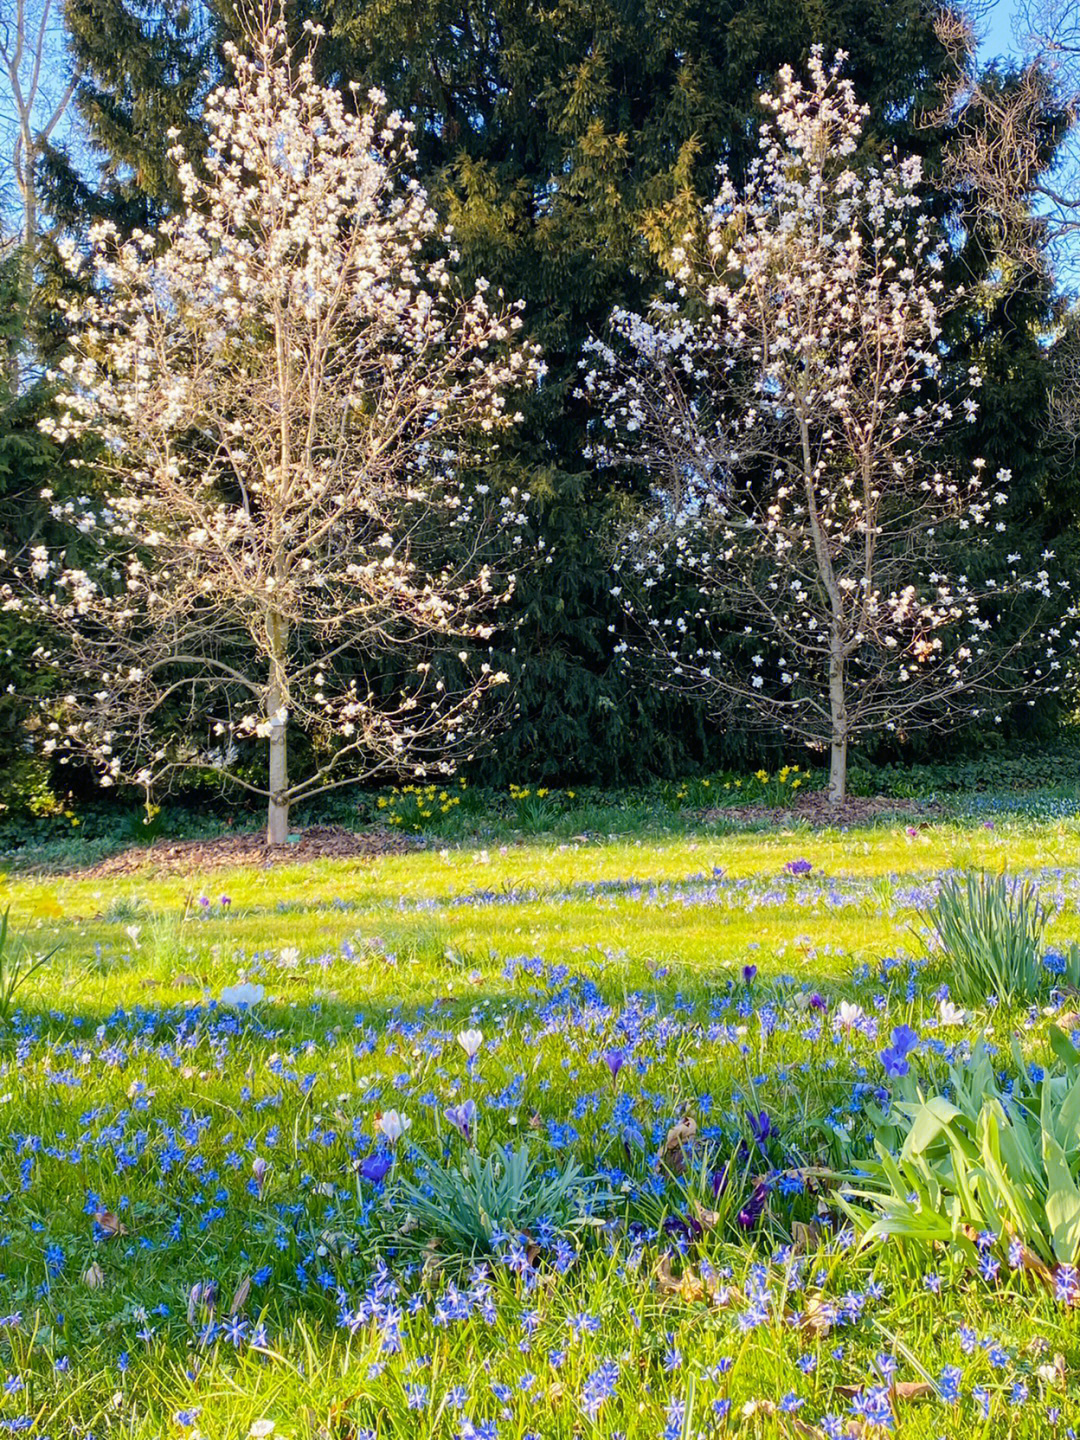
470 1041
393 1125
950 1014
847 1015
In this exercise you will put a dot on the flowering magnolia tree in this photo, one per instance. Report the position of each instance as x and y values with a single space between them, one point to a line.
787 399
286 393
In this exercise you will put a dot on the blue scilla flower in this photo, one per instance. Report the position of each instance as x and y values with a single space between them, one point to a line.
599 1386
676 1413
895 1063
874 1406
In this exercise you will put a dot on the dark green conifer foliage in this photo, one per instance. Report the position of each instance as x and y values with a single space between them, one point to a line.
145 69
567 141
29 464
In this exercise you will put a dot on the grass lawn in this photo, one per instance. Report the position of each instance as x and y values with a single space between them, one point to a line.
203 1229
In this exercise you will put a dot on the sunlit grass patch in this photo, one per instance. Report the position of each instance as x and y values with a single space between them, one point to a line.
208 1223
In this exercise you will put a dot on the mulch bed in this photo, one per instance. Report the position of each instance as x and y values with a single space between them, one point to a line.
335 842
318 842
814 809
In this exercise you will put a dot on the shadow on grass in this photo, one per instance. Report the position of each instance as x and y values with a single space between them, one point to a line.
332 1021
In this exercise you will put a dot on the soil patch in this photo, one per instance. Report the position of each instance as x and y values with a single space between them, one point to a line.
318 842
813 809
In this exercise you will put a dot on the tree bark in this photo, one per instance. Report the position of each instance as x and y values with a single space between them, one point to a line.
277 810
838 712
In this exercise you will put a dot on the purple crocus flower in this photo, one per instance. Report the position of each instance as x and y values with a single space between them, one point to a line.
761 1126
752 1210
462 1117
818 1002
895 1063
374 1167
615 1060
904 1039
799 867
748 972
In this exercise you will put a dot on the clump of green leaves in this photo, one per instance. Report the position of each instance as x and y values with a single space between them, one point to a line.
989 930
467 1205
16 964
981 1161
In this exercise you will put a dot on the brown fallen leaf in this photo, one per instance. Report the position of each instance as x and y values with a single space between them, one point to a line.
1028 1260
110 1224
803 1430
805 1237
688 1286
680 1137
691 1286
818 1316
912 1390
814 1177
902 1390
706 1218
1068 1020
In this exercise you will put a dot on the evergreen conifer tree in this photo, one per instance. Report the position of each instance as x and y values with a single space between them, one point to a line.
566 142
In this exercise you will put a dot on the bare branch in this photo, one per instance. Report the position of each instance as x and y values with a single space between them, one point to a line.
291 396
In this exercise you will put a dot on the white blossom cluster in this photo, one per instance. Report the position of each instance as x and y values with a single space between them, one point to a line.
285 398
787 398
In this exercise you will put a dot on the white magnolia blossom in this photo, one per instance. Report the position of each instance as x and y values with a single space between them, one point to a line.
787 398
286 390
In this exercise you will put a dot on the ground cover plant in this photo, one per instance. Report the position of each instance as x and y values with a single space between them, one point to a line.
547 1136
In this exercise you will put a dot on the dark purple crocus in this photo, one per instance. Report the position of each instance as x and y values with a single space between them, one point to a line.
748 973
462 1117
761 1126
615 1060
818 1002
374 1167
684 1228
752 1210
799 867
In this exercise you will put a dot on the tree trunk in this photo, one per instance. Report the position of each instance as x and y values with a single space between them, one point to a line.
838 713
277 814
